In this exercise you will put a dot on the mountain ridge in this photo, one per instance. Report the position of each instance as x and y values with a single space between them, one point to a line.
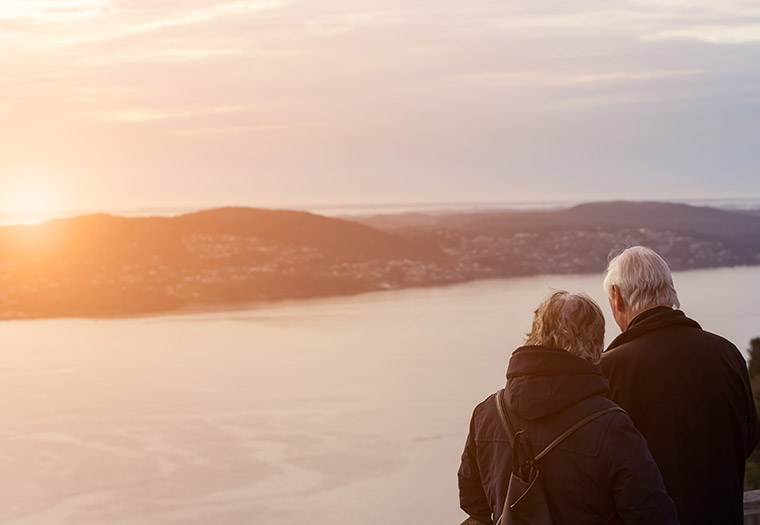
102 264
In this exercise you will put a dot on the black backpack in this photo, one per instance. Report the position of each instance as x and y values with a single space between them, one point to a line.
526 502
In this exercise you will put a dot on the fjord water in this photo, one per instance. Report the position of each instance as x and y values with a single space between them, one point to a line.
333 411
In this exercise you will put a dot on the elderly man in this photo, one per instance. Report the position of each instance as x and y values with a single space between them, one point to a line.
686 390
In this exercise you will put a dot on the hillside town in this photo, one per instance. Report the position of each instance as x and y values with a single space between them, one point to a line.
214 269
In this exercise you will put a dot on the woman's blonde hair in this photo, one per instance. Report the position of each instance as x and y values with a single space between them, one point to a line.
570 321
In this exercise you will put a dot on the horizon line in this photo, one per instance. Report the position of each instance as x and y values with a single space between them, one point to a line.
377 208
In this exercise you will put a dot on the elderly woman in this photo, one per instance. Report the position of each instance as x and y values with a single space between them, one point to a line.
601 473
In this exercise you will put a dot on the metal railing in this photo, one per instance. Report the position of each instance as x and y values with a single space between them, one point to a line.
752 507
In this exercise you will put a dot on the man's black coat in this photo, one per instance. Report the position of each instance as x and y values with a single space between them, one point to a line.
688 393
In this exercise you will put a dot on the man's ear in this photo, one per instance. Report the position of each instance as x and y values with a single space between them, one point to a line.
617 299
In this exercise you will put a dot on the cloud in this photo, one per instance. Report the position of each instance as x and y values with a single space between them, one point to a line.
252 128
570 78
53 11
146 54
70 22
143 115
713 34
195 16
379 90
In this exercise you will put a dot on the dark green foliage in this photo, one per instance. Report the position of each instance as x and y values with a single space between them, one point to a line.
752 473
754 357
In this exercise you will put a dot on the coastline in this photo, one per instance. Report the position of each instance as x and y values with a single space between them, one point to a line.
192 309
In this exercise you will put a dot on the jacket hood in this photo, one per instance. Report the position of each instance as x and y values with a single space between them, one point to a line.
542 381
652 319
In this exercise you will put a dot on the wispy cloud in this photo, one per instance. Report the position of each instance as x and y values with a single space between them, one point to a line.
714 34
70 22
570 78
53 11
146 54
146 115
195 16
252 128
373 93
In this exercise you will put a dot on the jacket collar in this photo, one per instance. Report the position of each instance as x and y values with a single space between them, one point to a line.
652 319
542 361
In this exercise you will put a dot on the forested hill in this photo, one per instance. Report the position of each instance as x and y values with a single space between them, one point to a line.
105 265
604 215
135 239
581 238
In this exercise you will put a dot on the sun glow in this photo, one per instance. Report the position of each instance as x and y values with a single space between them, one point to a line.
28 200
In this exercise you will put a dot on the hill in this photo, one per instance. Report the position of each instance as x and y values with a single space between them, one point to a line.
581 238
606 215
106 265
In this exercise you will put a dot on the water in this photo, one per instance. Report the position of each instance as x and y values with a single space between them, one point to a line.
336 411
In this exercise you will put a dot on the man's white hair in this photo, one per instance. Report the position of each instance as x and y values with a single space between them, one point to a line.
643 279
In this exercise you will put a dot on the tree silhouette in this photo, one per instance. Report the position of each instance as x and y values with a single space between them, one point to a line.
754 357
752 472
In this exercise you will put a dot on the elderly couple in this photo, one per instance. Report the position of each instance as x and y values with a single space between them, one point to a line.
677 451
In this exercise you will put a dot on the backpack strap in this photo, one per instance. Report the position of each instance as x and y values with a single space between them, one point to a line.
588 419
506 422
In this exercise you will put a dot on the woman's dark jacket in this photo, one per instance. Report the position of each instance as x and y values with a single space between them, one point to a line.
688 393
602 469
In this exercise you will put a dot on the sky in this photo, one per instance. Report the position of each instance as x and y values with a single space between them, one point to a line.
110 105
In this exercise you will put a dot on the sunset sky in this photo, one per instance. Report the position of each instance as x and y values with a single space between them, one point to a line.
110 105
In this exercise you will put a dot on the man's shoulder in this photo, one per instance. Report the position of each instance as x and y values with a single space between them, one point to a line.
612 355
629 348
718 341
723 346
681 342
615 360
710 344
645 347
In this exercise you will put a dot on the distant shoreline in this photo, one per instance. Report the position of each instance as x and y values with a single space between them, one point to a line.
370 209
262 305
101 266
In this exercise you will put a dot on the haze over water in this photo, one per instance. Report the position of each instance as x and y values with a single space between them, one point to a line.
344 410
349 210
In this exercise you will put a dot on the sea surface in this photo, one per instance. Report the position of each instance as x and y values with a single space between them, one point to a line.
348 410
